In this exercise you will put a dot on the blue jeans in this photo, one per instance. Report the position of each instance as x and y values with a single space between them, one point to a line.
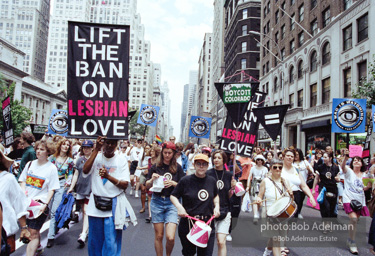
104 239
56 199
162 210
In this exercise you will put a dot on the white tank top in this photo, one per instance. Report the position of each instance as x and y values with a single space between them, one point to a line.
294 180
272 193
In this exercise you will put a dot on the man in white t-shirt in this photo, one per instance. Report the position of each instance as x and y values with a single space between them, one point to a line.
110 177
134 156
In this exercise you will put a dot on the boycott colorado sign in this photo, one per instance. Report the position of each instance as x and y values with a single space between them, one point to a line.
237 93
98 74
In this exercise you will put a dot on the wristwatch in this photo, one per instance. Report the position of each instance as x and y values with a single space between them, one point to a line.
24 227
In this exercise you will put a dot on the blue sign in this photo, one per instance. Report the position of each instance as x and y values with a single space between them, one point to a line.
373 117
349 115
148 115
58 122
200 127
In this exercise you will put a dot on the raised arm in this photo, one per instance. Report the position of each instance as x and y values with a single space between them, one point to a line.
88 165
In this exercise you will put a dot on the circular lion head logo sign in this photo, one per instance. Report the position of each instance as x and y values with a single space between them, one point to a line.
220 184
148 114
348 115
59 122
168 176
203 195
200 127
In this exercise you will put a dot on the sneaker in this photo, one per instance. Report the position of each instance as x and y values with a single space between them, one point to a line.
50 243
267 252
75 218
39 250
229 238
300 217
352 247
131 191
136 194
82 239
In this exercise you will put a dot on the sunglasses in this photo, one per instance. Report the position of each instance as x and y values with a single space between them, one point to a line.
201 164
275 167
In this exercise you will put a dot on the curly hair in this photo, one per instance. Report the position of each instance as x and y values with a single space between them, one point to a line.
58 148
45 144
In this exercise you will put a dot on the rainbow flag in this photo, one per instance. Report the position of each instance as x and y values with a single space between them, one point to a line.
158 139
310 151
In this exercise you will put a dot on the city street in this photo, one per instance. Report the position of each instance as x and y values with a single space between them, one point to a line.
138 240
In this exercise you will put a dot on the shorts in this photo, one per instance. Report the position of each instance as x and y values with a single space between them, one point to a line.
133 167
142 179
138 173
38 222
222 226
82 197
162 210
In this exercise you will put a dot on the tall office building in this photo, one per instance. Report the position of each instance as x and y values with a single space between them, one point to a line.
165 109
25 24
184 107
62 12
314 51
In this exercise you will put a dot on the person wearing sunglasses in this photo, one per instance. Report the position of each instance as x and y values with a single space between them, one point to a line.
200 199
257 174
271 189
163 212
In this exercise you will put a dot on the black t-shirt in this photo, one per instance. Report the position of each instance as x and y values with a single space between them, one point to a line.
327 177
223 187
164 171
197 194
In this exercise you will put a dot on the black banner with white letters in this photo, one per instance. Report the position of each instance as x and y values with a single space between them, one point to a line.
7 120
272 118
247 130
98 75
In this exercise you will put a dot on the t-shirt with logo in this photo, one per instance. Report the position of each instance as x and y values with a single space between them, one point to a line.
327 176
164 171
197 194
40 179
117 167
223 183
353 188
136 154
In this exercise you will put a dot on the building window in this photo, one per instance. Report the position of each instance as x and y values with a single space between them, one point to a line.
244 46
326 17
347 4
362 72
291 100
244 13
313 4
326 54
244 30
282 53
267 66
362 25
275 84
282 7
243 64
291 74
300 69
301 11
313 95
292 22
277 37
277 17
300 98
292 46
326 90
314 27
282 32
313 61
347 37
292 2
348 83
301 38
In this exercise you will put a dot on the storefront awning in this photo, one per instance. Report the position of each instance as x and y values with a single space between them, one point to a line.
314 124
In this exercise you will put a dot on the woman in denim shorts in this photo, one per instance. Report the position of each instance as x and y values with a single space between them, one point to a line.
162 210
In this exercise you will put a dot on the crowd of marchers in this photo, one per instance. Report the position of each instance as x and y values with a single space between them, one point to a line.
185 188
